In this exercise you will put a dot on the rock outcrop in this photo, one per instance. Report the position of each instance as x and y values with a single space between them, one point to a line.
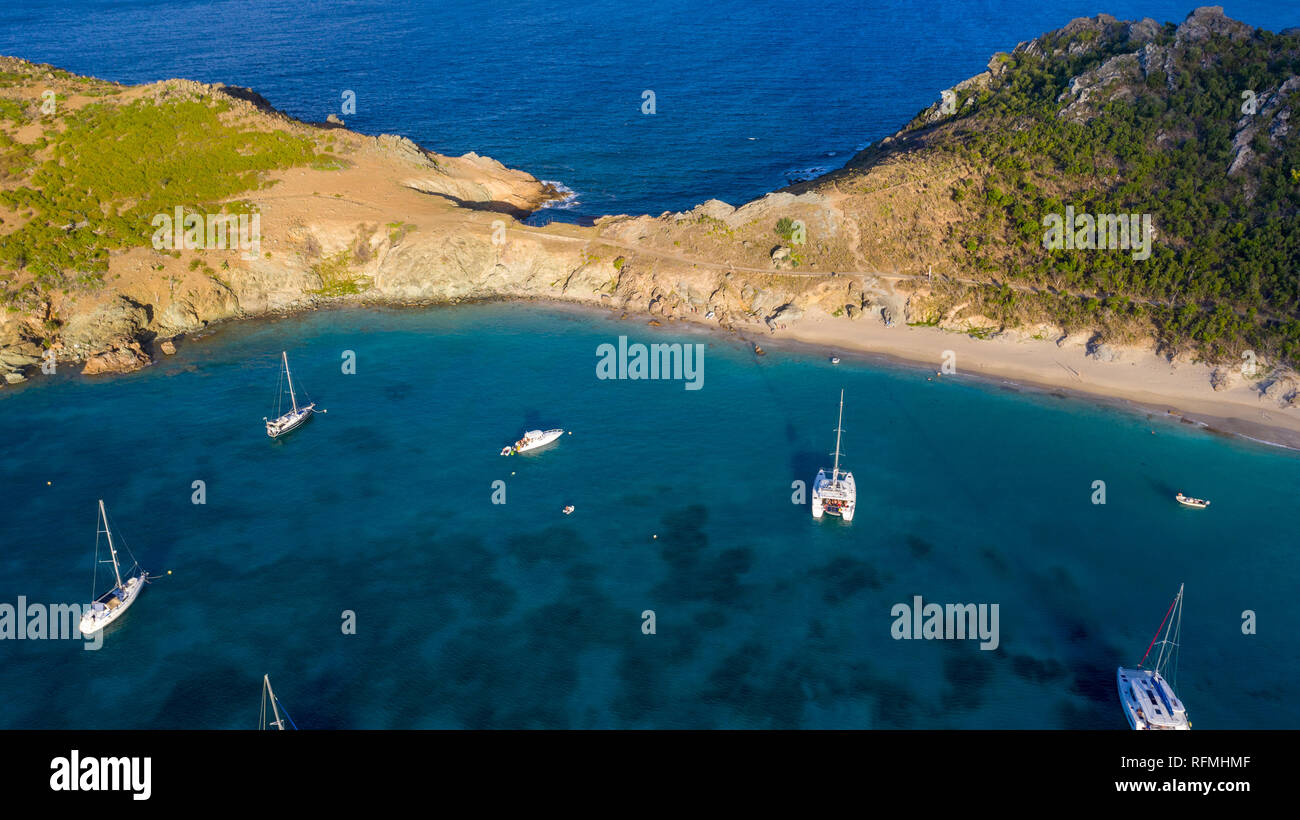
118 360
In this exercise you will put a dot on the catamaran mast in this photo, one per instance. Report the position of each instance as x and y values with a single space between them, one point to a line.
289 376
111 549
1176 626
835 472
275 709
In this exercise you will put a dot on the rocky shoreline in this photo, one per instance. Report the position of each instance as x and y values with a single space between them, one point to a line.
1230 417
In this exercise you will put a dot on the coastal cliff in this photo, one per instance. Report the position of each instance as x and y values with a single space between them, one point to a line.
937 225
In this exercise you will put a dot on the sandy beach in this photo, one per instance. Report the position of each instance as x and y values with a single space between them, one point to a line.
1138 377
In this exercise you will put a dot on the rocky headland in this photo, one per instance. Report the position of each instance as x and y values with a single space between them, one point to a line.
867 257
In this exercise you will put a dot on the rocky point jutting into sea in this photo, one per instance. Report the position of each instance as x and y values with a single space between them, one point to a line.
916 230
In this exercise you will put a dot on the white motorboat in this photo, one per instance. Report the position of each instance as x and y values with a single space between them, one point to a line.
836 494
1147 697
109 607
532 440
1188 501
295 417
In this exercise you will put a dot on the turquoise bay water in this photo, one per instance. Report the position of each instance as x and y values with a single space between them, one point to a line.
471 614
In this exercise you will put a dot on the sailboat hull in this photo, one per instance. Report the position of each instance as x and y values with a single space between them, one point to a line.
96 619
290 421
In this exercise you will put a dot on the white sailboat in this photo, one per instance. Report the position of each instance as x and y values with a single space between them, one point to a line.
531 441
836 494
109 607
269 698
296 417
1148 698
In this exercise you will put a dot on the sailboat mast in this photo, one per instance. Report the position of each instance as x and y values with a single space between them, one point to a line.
111 549
835 472
277 723
289 376
1176 626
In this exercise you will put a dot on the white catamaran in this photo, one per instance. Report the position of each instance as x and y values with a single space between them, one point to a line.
284 422
268 697
531 441
1148 699
836 494
109 607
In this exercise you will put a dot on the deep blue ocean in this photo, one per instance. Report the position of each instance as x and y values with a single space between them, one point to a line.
475 614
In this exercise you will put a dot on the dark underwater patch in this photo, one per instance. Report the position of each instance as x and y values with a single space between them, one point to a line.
1032 669
556 543
967 670
919 546
845 577
1096 683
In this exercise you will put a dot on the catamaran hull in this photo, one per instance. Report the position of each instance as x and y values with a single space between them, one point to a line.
94 621
840 503
1166 711
818 510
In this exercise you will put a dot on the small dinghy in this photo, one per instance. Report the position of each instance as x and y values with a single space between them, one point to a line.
1188 501
532 440
568 509
835 359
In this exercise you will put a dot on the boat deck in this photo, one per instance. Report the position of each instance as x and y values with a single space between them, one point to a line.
1153 698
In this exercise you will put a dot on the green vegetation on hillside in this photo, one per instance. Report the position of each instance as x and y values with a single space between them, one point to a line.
1224 270
113 167
336 277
